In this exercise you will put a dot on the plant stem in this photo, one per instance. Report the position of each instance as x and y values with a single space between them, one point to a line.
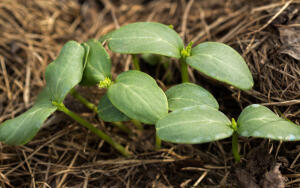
136 62
98 132
168 72
122 127
157 142
235 147
94 108
83 100
138 124
184 70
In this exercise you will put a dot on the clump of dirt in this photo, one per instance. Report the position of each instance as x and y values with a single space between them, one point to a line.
66 155
259 173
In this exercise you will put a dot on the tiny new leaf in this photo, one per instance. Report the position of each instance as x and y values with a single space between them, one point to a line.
145 37
138 96
194 125
66 71
221 62
189 94
108 112
259 121
98 65
23 128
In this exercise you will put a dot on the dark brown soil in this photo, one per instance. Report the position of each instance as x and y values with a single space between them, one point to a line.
64 154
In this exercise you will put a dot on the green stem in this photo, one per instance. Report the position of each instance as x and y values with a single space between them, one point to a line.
168 72
83 100
98 132
94 108
235 147
157 142
184 70
122 127
136 62
138 124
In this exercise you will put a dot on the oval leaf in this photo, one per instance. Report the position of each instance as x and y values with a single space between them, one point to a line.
66 71
145 37
194 125
23 128
259 121
137 95
187 95
152 59
221 62
98 65
108 112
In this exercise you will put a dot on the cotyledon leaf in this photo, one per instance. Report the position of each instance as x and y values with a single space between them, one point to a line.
189 94
23 128
66 71
221 62
98 65
145 37
259 121
138 96
86 54
194 125
108 112
152 59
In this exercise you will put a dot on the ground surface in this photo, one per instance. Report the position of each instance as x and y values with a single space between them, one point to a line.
63 154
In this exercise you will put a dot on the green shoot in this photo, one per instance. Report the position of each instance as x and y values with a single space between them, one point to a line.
136 62
92 128
194 118
106 83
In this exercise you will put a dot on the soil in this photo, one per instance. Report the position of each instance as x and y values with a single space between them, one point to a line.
64 154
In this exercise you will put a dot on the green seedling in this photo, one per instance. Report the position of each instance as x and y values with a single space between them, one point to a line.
75 64
134 95
195 119
213 59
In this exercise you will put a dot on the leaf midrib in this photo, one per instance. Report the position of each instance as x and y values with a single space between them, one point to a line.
219 60
154 39
141 99
193 121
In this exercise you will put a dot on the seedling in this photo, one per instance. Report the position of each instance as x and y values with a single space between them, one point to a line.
134 95
72 66
213 59
195 119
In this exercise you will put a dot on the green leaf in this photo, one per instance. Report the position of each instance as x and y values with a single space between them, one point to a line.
188 94
145 37
221 62
151 59
137 95
98 65
194 125
108 112
23 128
259 121
66 71
86 54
